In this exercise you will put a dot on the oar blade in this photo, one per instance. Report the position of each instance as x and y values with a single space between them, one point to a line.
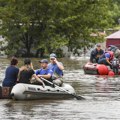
74 95
79 97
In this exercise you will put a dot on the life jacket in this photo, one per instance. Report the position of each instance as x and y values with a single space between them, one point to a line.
111 54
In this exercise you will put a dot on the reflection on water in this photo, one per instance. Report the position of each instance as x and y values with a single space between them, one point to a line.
102 95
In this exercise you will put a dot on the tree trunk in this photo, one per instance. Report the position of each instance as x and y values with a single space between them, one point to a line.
28 52
28 41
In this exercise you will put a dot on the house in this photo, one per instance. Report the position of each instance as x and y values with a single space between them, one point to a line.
113 39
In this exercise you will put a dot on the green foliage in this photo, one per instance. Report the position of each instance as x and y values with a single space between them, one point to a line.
115 11
52 23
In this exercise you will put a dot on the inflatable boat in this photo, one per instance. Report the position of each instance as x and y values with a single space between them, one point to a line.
101 69
96 69
23 91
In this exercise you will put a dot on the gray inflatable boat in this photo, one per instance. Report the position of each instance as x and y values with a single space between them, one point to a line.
23 91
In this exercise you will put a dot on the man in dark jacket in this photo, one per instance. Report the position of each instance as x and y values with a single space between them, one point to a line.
96 54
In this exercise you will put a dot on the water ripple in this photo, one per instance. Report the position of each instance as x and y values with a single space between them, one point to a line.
102 95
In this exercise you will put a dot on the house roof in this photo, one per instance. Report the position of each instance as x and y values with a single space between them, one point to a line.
115 35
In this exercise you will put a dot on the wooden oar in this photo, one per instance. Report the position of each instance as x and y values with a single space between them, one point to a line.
74 95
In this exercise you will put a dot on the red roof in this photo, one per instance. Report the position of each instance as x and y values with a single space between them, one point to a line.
115 35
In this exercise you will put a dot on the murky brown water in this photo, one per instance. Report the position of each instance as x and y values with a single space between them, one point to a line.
102 98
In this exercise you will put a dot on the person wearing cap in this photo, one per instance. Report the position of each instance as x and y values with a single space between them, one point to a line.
26 73
11 74
44 71
106 58
57 68
96 54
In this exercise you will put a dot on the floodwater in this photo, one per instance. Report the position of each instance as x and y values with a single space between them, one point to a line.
101 93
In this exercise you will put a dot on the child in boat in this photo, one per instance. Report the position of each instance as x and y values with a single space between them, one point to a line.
26 73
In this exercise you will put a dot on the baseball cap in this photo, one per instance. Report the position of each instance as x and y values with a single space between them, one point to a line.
53 55
107 55
43 61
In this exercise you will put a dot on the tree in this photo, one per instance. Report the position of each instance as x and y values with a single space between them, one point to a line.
52 24
29 23
115 11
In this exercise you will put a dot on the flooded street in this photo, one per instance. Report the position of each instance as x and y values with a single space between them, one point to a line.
102 96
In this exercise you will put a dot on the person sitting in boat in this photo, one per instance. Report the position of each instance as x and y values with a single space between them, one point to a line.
26 73
44 71
112 48
11 74
106 58
57 68
96 54
115 50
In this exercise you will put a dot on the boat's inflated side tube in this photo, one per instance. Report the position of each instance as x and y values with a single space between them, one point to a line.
17 91
23 91
68 88
102 69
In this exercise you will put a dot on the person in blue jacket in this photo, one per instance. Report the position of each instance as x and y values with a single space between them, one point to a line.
44 71
107 58
96 54
11 74
57 68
